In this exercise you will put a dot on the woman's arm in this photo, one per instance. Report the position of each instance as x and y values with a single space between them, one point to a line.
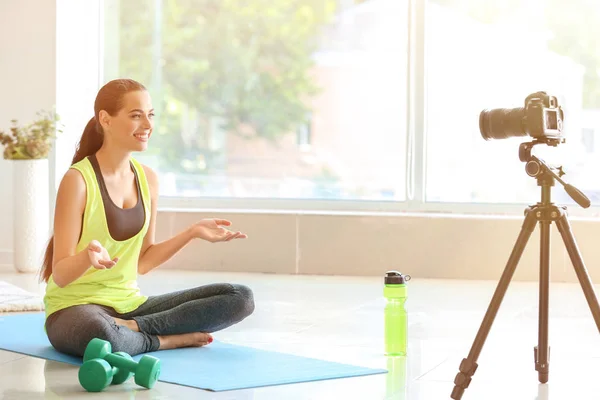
67 265
152 255
157 254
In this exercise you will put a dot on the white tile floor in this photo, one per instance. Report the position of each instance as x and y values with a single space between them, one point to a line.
340 319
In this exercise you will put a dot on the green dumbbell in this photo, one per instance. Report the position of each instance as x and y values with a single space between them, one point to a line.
101 367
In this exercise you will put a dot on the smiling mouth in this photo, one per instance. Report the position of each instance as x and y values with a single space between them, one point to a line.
142 136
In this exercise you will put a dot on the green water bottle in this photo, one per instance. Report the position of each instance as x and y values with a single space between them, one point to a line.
396 320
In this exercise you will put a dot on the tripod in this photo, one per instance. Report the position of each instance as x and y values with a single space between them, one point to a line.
544 212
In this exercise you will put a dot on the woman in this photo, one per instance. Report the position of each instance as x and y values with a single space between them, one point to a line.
104 236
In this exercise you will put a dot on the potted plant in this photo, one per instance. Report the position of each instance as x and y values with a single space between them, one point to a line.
30 142
27 147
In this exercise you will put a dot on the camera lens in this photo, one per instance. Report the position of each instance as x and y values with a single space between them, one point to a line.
502 123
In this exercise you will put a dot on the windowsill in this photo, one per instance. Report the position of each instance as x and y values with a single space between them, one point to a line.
375 214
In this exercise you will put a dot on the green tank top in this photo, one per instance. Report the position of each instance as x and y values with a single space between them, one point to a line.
116 287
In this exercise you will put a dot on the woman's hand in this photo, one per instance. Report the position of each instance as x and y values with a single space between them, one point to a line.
212 230
99 257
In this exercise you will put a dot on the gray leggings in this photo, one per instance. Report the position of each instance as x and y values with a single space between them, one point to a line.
206 308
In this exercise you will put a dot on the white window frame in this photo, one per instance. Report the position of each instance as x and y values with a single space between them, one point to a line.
79 48
416 173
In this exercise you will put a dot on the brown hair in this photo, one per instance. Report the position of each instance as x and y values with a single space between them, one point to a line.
110 99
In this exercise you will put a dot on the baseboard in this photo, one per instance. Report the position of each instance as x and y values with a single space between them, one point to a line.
6 261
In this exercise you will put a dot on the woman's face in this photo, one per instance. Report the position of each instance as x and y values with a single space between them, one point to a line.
132 127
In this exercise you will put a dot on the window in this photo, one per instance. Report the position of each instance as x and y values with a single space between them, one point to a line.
587 138
325 100
269 99
491 54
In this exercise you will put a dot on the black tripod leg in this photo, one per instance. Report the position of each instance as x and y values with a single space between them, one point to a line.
541 350
468 366
584 279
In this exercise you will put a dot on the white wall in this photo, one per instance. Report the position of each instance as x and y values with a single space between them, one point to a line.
422 245
27 83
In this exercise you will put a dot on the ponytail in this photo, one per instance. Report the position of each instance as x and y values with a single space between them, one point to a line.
47 263
90 142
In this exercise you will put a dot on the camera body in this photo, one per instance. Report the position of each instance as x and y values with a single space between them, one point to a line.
541 118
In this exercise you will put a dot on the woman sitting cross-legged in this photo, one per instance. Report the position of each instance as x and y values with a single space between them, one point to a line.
104 236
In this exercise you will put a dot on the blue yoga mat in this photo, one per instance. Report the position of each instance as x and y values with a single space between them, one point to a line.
217 367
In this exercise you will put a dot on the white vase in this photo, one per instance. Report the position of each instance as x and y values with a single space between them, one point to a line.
31 217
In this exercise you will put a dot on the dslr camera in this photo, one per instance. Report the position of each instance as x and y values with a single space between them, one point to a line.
541 118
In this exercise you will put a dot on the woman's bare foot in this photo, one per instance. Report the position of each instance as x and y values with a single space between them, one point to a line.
194 339
129 323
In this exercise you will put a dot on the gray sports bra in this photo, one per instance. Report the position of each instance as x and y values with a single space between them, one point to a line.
123 223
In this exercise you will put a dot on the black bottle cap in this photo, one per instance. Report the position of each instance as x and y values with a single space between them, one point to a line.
396 278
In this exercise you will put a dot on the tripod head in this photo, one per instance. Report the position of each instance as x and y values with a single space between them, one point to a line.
546 175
